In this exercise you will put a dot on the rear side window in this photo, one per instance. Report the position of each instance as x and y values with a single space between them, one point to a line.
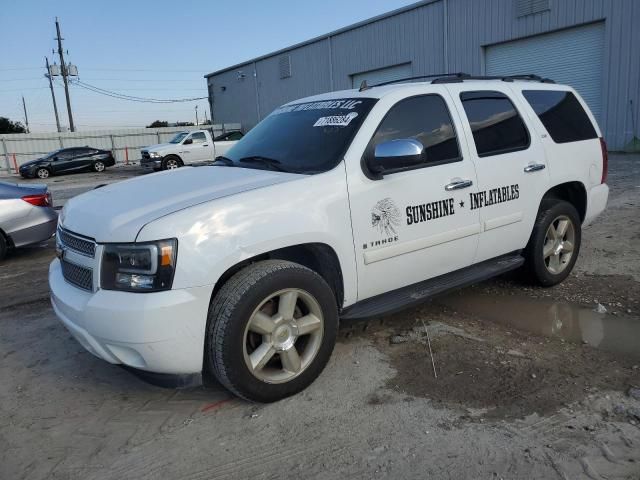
426 119
561 114
496 125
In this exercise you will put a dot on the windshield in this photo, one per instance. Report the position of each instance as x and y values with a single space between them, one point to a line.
306 138
179 137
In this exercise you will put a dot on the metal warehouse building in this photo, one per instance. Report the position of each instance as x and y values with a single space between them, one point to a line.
593 45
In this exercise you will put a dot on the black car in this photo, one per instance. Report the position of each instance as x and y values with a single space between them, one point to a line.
67 160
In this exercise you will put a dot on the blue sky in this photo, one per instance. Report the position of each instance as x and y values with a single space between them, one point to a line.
157 49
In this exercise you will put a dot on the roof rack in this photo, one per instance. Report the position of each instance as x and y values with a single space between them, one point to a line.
504 78
459 77
364 86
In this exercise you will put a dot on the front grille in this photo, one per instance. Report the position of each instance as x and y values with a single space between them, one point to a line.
77 244
81 277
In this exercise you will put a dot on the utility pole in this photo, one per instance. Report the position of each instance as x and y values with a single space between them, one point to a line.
197 115
53 95
26 118
206 120
65 74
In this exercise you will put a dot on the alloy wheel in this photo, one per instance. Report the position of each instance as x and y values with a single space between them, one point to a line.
43 173
98 166
559 243
283 336
172 164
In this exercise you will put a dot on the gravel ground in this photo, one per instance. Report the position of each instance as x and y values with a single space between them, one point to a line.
531 383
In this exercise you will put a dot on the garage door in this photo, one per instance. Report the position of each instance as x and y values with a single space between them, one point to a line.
573 57
382 75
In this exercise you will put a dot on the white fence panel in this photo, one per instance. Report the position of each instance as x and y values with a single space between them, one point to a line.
125 144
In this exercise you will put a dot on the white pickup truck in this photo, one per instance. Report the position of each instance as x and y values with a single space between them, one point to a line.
345 205
187 148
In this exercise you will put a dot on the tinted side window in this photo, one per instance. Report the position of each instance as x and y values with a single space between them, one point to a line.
425 118
496 125
67 154
561 114
198 137
83 152
233 136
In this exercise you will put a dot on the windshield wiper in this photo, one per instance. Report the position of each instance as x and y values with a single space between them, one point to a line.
269 162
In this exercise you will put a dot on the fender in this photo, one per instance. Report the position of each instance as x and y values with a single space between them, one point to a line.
217 235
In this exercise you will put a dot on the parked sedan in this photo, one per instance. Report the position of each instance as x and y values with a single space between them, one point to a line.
68 160
26 215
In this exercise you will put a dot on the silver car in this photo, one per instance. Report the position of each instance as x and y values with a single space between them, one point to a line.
26 215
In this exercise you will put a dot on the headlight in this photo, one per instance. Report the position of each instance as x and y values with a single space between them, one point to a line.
139 267
154 155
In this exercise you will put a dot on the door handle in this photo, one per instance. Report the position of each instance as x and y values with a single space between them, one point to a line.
534 167
458 184
205 144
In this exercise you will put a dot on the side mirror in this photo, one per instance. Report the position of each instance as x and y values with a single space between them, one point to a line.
188 141
396 155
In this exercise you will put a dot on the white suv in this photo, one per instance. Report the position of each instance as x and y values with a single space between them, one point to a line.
348 204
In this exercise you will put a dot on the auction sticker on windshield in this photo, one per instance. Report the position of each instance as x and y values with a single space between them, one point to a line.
335 120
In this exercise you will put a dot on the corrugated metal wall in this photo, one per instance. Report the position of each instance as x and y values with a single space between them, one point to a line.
436 36
124 142
573 55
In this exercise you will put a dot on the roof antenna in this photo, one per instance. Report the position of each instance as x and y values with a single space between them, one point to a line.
363 86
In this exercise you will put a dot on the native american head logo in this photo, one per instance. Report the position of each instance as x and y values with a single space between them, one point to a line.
385 216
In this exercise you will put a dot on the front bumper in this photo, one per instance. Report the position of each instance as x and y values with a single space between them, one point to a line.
596 202
28 172
161 332
151 163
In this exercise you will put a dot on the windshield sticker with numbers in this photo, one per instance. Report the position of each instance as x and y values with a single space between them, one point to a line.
335 120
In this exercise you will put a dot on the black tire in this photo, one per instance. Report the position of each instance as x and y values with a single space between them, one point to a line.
43 173
3 246
229 314
535 265
167 161
97 168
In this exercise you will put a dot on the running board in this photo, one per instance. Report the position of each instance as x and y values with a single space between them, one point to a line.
418 293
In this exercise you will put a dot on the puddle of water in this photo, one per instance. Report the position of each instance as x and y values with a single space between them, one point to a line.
618 334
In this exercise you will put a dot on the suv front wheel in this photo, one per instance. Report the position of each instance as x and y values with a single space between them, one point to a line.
271 330
555 242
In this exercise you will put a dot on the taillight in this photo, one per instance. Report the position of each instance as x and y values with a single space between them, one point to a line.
605 160
42 200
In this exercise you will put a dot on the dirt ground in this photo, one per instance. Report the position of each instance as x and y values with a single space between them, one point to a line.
531 383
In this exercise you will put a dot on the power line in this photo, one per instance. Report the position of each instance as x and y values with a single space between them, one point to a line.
21 89
13 69
19 79
142 70
132 98
161 70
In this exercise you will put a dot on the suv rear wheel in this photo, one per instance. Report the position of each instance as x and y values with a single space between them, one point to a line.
99 166
555 242
271 330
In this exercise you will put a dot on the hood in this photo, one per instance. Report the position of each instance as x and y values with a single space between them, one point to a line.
160 146
31 162
117 212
